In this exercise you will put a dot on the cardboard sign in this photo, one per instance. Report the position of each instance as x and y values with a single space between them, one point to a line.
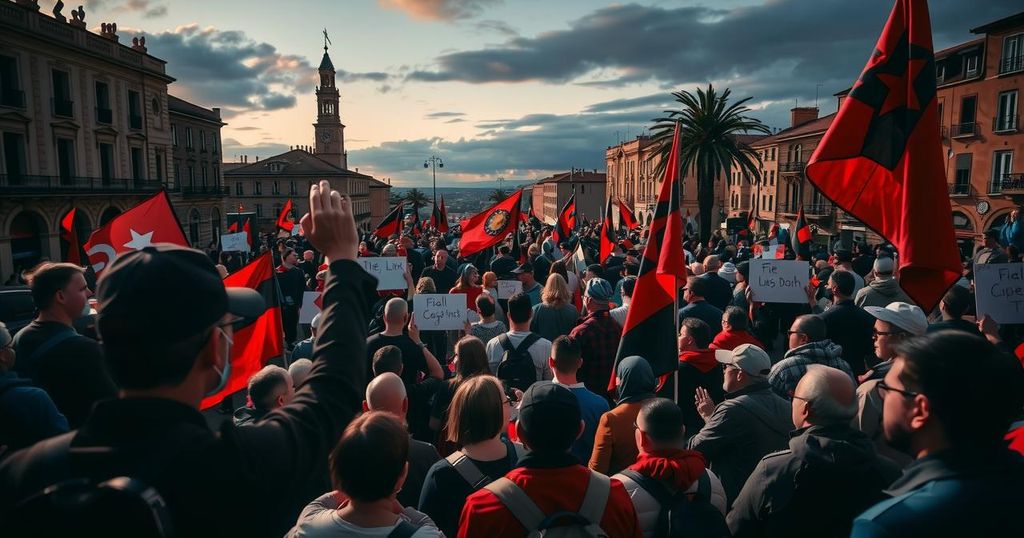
390 271
779 281
999 289
234 242
508 288
440 311
309 307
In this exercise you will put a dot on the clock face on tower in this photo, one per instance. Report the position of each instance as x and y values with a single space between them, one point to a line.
325 136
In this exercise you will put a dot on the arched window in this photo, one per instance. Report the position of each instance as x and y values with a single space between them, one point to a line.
27 231
193 227
215 224
109 214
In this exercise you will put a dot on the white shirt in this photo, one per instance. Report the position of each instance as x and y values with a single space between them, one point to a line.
540 351
320 519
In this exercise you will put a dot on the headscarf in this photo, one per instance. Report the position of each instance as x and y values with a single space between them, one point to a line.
464 271
637 381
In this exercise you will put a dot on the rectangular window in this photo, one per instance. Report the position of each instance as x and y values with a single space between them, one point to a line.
968 111
103 112
134 110
66 160
107 161
188 137
259 211
962 180
62 104
1013 54
239 190
138 166
971 68
174 135
276 188
1002 167
14 155
940 72
192 177
205 179
202 140
1006 112
292 188
160 167
10 84
257 188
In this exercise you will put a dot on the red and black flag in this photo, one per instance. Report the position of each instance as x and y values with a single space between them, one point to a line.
626 217
566 221
284 220
439 218
68 233
607 234
802 236
233 228
487 228
650 326
392 223
517 247
882 162
256 341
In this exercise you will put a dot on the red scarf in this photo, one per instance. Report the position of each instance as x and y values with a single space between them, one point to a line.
677 467
703 359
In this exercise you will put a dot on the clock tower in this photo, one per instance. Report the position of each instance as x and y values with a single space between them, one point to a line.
329 131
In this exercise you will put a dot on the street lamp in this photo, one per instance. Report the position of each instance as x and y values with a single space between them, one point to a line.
434 162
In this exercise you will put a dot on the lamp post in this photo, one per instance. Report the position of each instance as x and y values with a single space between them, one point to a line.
434 162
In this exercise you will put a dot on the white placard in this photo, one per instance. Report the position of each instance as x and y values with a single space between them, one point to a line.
309 308
440 311
508 288
389 270
779 281
999 289
238 242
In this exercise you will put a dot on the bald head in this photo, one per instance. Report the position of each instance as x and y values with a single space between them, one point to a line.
395 311
829 394
386 392
712 263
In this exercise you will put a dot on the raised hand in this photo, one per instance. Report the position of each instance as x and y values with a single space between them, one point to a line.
705 405
330 224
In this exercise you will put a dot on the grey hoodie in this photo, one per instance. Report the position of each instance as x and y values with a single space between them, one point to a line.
786 373
881 292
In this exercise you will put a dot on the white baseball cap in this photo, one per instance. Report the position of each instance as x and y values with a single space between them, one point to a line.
906 316
747 357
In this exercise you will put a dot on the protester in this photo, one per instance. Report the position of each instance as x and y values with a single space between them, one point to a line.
750 423
520 312
304 349
991 251
443 276
268 389
489 326
531 287
697 288
555 315
598 335
735 330
794 492
386 392
964 481
739 292
808 344
952 307
719 290
299 371
503 264
549 477
437 341
421 393
416 356
368 468
884 288
619 314
470 361
292 282
466 284
847 324
68 366
697 369
478 415
843 261
665 468
614 445
490 288
27 414
166 323
565 361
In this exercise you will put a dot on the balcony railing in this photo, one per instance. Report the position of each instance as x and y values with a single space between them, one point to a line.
1011 64
960 189
59 186
1006 124
965 129
204 190
810 210
1012 182
104 115
135 122
14 98
793 166
63 108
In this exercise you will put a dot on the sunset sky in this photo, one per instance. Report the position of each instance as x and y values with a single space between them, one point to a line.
518 88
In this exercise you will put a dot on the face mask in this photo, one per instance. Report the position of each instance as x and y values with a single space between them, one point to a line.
226 372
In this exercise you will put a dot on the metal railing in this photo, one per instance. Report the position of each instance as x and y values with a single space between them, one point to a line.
792 166
960 189
811 210
1009 123
1012 182
56 185
1011 64
965 129
14 98
204 190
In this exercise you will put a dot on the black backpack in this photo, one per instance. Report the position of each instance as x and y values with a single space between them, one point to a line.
684 515
516 368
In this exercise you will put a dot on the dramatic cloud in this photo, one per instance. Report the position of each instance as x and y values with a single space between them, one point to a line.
346 76
436 115
439 10
148 9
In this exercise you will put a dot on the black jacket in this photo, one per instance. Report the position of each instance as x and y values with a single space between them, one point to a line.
829 475
850 326
719 291
249 481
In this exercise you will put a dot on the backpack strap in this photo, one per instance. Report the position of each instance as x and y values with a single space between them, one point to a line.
506 344
703 488
51 343
653 487
468 470
517 502
404 529
596 497
530 339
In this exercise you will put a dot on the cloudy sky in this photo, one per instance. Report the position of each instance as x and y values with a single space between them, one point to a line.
517 88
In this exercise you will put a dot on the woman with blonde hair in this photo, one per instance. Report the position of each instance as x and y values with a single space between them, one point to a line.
555 315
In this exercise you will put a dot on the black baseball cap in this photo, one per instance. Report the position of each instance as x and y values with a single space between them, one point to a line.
165 293
549 417
524 268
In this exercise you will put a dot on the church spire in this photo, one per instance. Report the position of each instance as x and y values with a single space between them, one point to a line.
330 132
325 63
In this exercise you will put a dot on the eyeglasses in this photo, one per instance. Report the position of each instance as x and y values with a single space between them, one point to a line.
793 332
883 388
883 333
801 398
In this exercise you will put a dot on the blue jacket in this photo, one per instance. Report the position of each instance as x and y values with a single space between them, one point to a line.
1012 233
27 413
951 494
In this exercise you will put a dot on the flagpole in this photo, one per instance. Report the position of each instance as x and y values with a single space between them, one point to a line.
679 203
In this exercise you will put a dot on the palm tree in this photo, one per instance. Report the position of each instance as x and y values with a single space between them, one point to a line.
708 143
395 199
416 197
497 195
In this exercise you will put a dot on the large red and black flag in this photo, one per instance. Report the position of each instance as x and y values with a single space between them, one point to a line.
392 222
607 234
284 220
487 228
68 233
151 221
650 328
439 217
256 341
881 159
566 222
802 236
626 217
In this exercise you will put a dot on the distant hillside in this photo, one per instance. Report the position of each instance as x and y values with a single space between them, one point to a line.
507 185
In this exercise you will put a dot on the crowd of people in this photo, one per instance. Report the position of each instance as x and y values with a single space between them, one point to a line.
856 413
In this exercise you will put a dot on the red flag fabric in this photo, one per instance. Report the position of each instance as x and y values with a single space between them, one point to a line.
773 232
248 232
67 227
443 227
439 218
259 340
566 222
881 159
233 228
607 234
650 328
517 247
802 236
283 222
626 217
151 221
392 223
487 228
